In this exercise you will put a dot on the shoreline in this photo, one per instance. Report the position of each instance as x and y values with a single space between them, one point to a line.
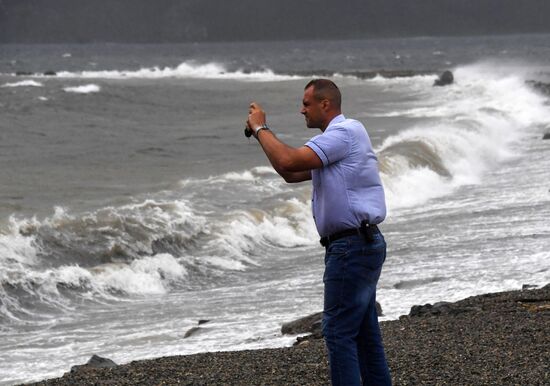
491 339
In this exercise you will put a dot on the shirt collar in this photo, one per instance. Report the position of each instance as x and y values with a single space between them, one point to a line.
335 120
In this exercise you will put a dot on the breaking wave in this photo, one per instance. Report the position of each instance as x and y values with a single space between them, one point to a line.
146 248
84 89
184 70
468 128
24 83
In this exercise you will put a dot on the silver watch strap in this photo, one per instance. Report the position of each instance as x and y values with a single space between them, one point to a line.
257 129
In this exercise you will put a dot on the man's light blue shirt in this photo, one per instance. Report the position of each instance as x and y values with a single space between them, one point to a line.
347 189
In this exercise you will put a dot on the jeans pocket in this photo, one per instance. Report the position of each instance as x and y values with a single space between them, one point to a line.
337 249
373 258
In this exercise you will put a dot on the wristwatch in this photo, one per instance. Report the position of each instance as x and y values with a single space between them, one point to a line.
262 127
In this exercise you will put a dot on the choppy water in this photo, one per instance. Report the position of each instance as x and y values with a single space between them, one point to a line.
131 205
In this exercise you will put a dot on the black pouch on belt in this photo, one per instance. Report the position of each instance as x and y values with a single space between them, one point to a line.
367 231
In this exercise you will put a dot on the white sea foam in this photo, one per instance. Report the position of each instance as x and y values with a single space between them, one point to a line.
149 275
225 263
289 225
24 83
84 89
419 81
184 70
244 176
415 81
15 248
264 170
413 187
255 176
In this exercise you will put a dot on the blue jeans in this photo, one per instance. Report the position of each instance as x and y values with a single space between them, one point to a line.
350 321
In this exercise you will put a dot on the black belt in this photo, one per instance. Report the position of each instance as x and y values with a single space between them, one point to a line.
366 230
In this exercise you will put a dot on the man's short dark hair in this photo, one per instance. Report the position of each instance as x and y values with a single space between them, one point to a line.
326 89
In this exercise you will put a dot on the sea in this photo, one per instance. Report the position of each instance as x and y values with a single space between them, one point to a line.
132 206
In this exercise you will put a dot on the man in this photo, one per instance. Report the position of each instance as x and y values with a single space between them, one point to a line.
348 202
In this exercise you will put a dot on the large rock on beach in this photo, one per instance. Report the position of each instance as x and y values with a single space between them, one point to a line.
307 324
95 362
311 324
480 303
445 79
440 308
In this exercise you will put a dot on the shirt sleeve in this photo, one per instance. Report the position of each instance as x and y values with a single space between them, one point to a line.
331 146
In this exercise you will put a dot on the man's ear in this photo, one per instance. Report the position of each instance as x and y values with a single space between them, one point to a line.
325 105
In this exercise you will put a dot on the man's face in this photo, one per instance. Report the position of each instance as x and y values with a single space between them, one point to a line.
312 109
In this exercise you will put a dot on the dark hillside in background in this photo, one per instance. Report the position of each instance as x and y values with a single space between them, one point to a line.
81 21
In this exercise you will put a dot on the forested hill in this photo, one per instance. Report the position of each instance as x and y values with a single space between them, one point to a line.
46 21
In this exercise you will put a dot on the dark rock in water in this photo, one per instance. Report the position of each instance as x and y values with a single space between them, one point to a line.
95 362
546 136
407 284
444 79
23 73
192 331
195 330
539 86
50 73
311 324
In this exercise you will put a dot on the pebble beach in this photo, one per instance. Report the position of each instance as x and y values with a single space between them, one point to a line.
492 339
